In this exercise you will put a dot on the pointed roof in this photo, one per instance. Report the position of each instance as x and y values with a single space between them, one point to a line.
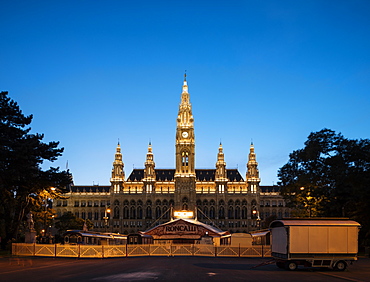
183 228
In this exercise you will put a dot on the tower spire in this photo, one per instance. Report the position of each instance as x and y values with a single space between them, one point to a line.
118 174
149 172
252 176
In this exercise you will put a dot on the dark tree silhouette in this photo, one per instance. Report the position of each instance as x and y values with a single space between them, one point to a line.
330 177
22 181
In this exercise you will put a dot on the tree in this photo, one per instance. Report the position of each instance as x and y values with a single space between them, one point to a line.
22 180
70 221
329 177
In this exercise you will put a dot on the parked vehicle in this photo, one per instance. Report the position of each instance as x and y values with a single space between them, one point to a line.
314 242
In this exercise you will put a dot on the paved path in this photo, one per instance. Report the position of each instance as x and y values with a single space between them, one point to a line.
168 269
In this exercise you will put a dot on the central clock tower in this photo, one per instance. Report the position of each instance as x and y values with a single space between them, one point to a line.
185 154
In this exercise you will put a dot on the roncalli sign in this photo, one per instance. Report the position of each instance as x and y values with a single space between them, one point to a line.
183 228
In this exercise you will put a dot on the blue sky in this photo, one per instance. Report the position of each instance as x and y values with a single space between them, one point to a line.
93 72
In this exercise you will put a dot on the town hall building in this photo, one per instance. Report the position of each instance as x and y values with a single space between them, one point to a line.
148 197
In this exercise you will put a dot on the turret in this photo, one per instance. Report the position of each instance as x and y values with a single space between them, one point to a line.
149 172
118 174
221 175
252 176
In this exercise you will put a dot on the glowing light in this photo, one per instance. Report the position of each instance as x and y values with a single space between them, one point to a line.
183 214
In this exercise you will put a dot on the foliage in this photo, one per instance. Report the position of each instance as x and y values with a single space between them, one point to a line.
70 221
329 177
22 181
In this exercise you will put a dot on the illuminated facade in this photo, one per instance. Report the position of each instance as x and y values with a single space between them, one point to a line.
147 197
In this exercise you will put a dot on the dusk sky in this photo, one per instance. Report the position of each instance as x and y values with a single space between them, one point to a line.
271 72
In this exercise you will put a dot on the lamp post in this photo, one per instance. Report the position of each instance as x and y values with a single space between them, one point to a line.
308 199
106 218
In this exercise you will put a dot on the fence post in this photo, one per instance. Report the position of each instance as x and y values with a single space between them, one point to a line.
262 250
79 251
55 250
126 251
215 251
102 251
34 249
239 249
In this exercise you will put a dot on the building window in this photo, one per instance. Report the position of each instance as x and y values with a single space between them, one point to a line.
77 203
237 212
212 212
230 213
221 213
116 212
139 212
221 188
244 212
133 213
158 212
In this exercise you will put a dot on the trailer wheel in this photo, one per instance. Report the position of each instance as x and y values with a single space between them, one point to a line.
340 265
291 265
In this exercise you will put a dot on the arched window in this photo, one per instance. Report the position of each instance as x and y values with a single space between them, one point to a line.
212 212
221 213
125 212
244 212
165 212
184 203
133 212
205 212
230 213
149 212
185 159
158 212
116 212
139 212
237 212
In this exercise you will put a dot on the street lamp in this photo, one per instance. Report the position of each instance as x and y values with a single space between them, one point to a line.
307 201
106 217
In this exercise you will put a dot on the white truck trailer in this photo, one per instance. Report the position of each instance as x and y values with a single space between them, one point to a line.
314 242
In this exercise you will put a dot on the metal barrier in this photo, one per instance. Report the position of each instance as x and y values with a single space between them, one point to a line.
107 251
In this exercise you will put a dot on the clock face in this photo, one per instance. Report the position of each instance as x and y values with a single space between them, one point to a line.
185 134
